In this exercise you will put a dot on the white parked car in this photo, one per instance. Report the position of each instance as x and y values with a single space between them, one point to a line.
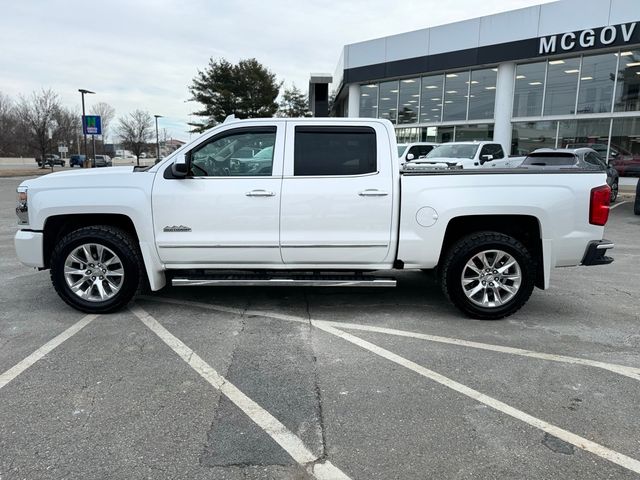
321 204
466 155
413 151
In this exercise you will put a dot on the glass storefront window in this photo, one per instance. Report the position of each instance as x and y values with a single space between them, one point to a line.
529 90
469 133
624 153
431 99
529 136
482 95
597 77
628 89
562 86
388 101
455 96
585 133
369 100
409 100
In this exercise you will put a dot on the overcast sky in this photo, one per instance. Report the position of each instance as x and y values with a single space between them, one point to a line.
144 53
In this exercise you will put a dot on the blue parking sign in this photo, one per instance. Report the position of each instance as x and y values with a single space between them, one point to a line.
92 125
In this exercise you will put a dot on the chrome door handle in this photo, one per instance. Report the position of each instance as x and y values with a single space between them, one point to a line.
372 192
260 193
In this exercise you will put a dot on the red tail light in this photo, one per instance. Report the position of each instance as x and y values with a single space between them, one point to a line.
599 205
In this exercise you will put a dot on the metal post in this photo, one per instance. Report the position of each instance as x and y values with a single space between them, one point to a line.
93 139
86 149
157 139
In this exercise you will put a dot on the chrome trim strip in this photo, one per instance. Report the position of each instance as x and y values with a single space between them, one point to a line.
291 177
605 246
386 245
283 282
217 246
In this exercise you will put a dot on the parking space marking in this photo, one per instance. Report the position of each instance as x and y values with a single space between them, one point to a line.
20 367
569 437
291 443
618 204
631 372
220 308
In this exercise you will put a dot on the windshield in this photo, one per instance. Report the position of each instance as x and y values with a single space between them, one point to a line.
454 150
401 149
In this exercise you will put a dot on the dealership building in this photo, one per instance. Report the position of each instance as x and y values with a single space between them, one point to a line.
553 75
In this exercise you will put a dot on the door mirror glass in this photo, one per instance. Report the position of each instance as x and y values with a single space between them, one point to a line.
180 167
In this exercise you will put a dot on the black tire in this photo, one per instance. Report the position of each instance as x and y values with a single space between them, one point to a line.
121 243
466 248
614 191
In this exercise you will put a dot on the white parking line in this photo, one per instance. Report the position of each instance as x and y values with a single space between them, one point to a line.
631 372
576 440
292 444
17 369
219 308
618 204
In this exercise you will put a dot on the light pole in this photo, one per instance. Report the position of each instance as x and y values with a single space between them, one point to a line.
82 92
157 139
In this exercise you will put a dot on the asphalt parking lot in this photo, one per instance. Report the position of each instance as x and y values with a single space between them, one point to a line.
268 383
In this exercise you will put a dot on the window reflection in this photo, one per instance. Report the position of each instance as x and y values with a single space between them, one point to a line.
562 86
369 100
482 95
628 89
529 136
409 100
455 96
529 90
388 101
597 77
431 99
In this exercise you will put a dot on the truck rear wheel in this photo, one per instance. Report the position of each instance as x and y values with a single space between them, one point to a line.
96 269
488 275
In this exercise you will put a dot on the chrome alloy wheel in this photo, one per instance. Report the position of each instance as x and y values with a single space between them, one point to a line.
94 272
491 278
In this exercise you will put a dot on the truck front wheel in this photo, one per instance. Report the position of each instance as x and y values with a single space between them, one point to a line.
488 275
96 269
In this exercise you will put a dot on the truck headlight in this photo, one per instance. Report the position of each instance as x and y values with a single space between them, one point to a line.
22 211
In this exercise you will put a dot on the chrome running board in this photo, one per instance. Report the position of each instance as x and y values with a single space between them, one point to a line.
282 281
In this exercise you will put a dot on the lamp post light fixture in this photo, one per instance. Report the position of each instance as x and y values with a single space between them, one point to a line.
157 139
82 92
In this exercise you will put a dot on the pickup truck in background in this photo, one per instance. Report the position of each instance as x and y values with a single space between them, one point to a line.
321 203
465 155
414 151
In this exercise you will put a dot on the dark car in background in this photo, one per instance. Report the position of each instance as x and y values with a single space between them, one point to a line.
102 161
626 163
50 159
582 158
77 160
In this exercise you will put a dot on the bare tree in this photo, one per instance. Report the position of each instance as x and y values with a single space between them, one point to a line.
107 113
38 114
68 127
7 126
135 130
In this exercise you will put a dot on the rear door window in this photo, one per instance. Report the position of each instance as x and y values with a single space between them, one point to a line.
334 151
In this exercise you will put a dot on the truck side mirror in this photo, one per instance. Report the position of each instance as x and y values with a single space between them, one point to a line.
410 156
485 158
180 167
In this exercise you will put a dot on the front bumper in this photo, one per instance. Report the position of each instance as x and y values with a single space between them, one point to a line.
596 253
29 247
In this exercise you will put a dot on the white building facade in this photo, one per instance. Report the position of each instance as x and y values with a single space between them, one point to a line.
560 74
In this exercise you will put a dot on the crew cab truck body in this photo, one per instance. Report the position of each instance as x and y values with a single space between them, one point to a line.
329 207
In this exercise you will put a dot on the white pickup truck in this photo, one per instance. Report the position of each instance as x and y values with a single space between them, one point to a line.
313 202
465 155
